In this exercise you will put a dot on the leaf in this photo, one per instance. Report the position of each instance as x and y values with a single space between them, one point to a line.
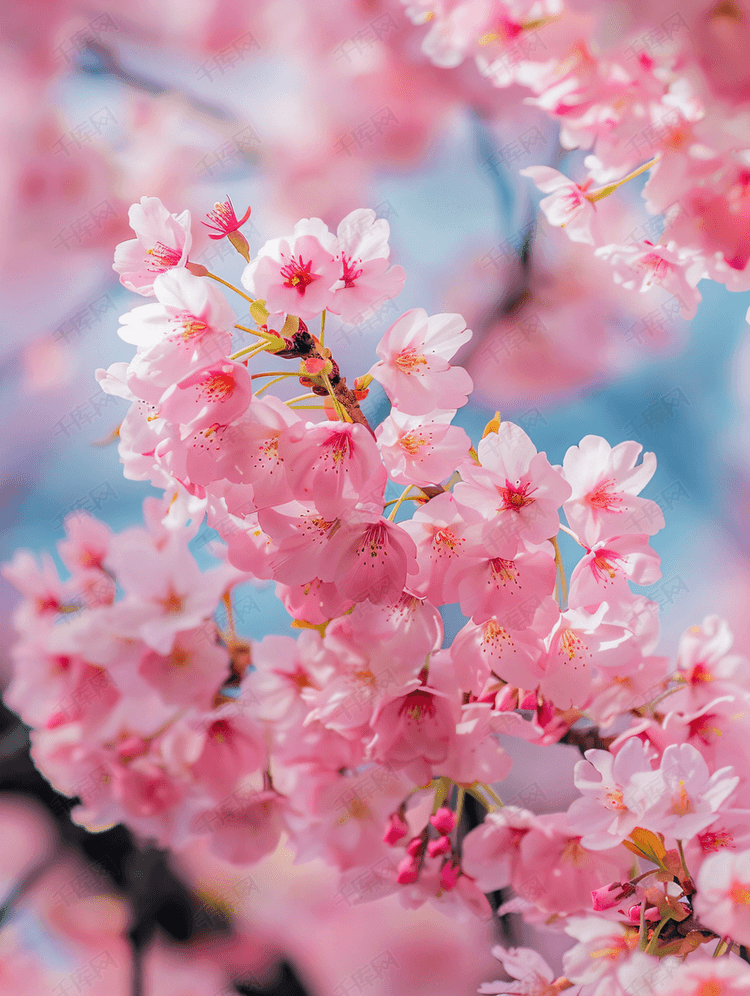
259 312
648 845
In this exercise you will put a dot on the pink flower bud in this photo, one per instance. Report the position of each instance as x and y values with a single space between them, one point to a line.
440 846
608 896
634 914
131 747
408 871
444 820
415 846
56 719
397 829
528 701
449 875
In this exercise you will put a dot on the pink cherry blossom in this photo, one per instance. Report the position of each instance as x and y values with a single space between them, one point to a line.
295 274
603 816
489 585
701 975
366 279
579 643
567 206
414 732
603 573
683 796
530 973
480 651
423 449
642 265
723 899
438 529
556 873
605 482
414 368
215 394
162 241
190 327
371 558
491 850
336 466
191 673
514 489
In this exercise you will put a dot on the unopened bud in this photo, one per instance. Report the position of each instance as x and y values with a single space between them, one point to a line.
408 871
397 828
440 846
608 896
444 820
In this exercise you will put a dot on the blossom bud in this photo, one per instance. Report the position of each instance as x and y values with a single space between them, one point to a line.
608 896
444 820
440 846
415 846
449 875
131 747
634 914
397 829
408 871
528 701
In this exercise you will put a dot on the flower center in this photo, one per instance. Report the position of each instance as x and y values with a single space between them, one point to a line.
515 496
714 840
409 359
699 674
366 676
740 894
218 387
173 603
192 327
412 442
504 570
494 632
179 657
572 645
163 257
349 274
357 809
573 853
447 538
711 987
339 446
297 274
416 705
602 566
660 267
681 802
603 497
613 800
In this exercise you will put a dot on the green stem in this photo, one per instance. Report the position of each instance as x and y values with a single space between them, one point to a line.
230 286
597 195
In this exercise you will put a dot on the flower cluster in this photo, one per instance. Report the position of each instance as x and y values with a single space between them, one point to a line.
361 739
666 91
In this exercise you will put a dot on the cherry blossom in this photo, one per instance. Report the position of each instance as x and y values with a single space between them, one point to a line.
605 483
414 367
567 206
295 275
366 280
162 241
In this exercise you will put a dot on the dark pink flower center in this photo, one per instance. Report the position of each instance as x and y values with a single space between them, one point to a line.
516 497
163 257
297 274
349 274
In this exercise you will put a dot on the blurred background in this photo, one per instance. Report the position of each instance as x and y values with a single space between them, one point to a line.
309 109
